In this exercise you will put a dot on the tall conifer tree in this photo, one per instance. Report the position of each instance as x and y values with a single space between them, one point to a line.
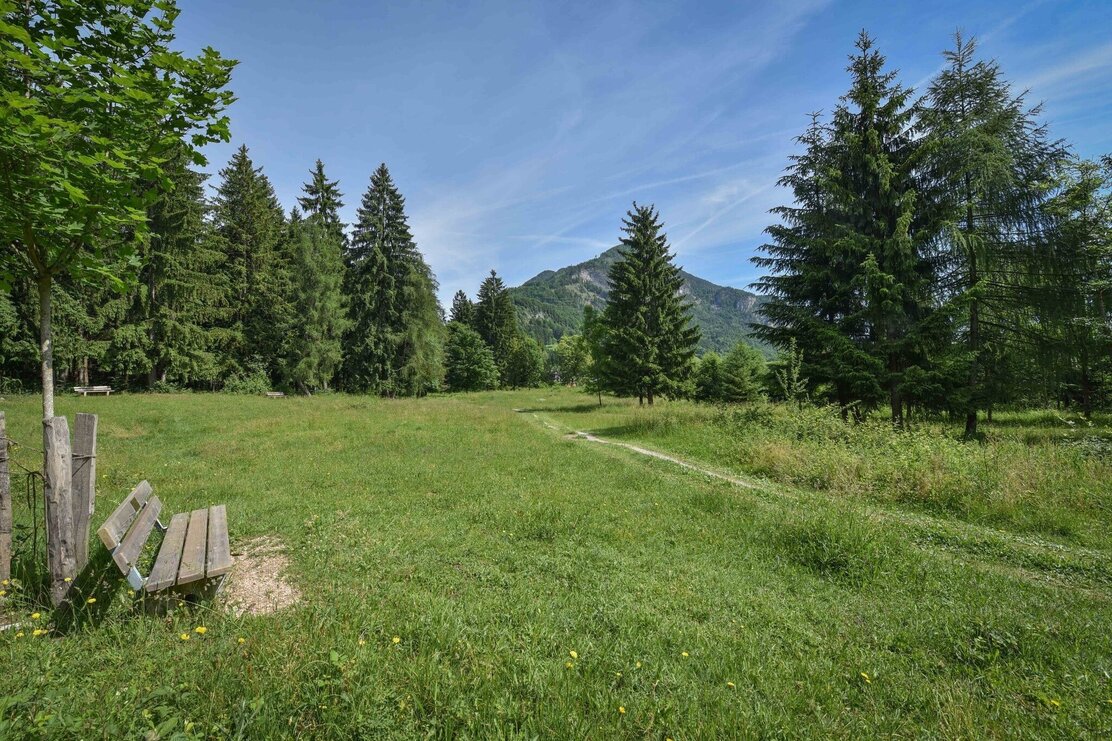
313 350
251 225
322 201
463 310
648 341
990 164
496 320
393 341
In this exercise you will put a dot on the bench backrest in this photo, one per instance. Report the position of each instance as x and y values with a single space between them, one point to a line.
112 532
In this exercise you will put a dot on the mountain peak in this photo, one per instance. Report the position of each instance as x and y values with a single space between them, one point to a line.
550 304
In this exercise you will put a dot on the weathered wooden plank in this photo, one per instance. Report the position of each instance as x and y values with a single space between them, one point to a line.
117 523
165 571
58 490
84 470
127 555
193 553
219 559
5 504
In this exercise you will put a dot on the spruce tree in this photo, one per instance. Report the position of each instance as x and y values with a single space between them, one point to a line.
496 320
172 324
989 165
463 311
648 338
875 154
322 202
251 225
313 350
812 279
393 343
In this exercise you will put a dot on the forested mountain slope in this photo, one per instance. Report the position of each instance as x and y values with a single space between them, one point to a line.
551 303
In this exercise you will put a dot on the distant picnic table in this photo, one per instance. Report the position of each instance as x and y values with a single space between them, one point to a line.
86 390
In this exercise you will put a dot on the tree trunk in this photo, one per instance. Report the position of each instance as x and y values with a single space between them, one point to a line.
650 397
46 347
1086 384
974 321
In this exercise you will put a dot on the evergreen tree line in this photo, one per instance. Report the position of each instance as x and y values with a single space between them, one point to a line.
943 254
233 293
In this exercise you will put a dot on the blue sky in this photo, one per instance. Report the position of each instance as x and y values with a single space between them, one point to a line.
520 132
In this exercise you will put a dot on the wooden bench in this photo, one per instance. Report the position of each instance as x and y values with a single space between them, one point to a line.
274 395
194 556
86 390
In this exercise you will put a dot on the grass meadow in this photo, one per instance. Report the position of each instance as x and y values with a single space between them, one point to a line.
468 568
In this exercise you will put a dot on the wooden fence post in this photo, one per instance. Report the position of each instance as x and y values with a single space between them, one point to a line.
5 505
58 488
84 469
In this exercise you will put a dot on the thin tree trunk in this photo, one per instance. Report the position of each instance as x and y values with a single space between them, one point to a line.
46 346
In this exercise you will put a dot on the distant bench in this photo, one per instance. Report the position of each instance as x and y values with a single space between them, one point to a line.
194 556
274 395
86 390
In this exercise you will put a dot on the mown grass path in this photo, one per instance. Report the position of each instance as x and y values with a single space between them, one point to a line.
538 586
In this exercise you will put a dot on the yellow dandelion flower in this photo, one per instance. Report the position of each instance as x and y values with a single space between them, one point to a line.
638 665
20 635
396 640
36 615
38 632
200 630
1055 703
618 675
241 641
185 636
361 642
866 678
573 654
621 710
731 685
5 582
684 654
91 601
67 580
568 664
3 592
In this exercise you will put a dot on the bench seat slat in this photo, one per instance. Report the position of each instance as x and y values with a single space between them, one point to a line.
113 529
218 560
165 571
127 555
192 566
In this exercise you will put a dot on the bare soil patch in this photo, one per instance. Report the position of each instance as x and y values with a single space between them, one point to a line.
258 585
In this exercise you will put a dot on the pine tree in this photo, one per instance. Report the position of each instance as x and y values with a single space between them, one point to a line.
468 361
322 202
251 225
648 340
496 320
393 343
708 378
313 350
990 164
463 311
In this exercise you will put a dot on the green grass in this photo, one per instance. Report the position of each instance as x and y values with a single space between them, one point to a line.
492 546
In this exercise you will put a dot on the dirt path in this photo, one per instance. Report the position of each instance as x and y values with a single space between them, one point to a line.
1029 557
665 457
